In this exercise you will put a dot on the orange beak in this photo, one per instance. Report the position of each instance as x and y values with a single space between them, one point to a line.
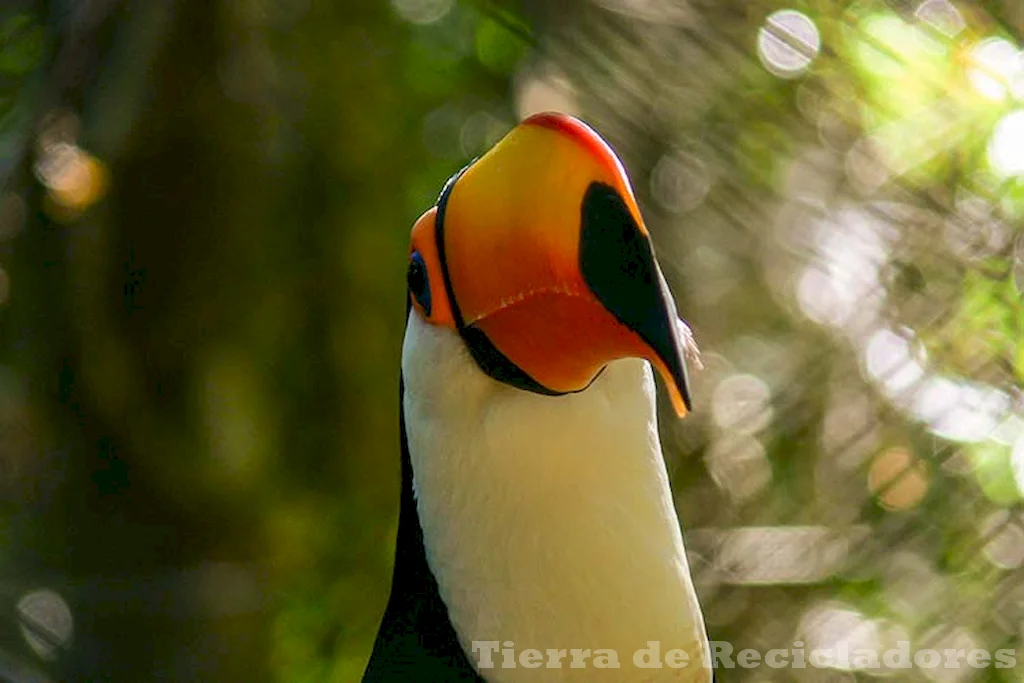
548 269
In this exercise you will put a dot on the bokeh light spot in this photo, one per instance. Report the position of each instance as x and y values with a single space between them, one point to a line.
898 479
994 473
738 465
480 131
894 361
1017 463
1006 148
973 232
1004 539
828 627
818 298
422 11
954 644
850 429
912 584
942 16
544 89
765 555
680 181
788 43
995 65
74 179
46 622
740 403
663 11
892 48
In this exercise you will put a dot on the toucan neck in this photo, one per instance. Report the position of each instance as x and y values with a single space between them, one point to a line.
416 638
547 521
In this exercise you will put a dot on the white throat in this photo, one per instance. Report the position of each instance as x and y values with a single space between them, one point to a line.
548 521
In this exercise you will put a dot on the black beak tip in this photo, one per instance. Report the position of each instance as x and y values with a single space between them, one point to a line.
618 264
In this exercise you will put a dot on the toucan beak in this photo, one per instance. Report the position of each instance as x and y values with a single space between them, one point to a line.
549 270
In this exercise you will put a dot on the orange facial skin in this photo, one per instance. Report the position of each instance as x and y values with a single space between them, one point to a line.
424 242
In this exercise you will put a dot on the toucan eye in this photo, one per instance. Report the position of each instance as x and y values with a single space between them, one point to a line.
419 284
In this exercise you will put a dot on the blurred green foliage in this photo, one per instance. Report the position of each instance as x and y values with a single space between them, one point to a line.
209 355
22 42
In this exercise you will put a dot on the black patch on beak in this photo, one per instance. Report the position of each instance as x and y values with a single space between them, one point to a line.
617 263
497 365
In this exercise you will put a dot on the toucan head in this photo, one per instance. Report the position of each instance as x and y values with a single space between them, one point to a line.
537 255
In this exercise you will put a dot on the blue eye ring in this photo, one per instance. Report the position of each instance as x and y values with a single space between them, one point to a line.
418 281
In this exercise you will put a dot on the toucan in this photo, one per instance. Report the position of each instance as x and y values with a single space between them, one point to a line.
537 536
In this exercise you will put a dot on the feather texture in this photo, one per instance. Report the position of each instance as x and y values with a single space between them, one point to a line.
548 520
